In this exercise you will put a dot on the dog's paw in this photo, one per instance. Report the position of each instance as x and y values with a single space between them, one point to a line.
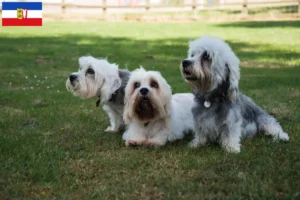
133 143
154 143
233 148
283 136
193 144
198 141
111 129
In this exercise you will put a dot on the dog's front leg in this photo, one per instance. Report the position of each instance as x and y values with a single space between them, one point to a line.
134 135
158 139
231 137
200 138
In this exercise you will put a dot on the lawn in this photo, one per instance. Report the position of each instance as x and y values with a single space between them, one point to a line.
53 145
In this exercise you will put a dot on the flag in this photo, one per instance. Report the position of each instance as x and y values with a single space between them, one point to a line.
22 14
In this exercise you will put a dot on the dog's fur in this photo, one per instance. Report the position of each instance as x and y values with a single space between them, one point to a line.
155 116
105 81
221 113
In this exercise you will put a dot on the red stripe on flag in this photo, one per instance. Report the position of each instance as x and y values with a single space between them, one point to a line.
22 22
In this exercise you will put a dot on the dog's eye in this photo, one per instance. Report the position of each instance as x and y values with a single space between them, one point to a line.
136 85
90 71
192 55
205 56
154 84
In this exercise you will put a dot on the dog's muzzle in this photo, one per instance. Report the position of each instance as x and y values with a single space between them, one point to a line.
144 107
186 66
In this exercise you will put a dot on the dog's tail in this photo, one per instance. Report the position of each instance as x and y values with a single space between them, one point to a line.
265 123
269 126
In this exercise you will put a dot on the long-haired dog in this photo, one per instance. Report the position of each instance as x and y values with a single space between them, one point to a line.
155 116
221 113
105 81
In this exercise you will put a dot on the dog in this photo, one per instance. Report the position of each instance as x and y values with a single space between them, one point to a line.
154 116
221 113
105 81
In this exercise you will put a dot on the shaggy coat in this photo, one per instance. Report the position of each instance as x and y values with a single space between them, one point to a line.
221 113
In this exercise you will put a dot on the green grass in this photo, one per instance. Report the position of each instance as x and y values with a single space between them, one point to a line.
225 12
53 145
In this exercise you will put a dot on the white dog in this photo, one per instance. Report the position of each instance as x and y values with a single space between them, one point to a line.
221 113
153 115
105 81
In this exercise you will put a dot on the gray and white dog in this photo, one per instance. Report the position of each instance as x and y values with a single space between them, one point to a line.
97 78
221 113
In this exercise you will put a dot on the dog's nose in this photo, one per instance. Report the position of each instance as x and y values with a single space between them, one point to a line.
72 77
186 63
144 91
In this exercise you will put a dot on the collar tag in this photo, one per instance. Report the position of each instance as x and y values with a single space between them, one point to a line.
206 104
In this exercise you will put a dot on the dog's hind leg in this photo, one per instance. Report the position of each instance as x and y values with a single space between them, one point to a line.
269 126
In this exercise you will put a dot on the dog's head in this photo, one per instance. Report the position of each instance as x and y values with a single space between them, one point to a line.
147 96
95 77
207 64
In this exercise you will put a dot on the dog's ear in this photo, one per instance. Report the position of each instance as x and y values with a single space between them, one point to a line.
128 104
168 109
168 106
168 98
234 75
166 95
127 114
112 83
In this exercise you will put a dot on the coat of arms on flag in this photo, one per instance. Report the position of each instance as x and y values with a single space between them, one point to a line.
22 14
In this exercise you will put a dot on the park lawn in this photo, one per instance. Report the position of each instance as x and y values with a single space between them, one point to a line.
53 145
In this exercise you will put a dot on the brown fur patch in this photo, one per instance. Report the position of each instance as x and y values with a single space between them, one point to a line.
145 109
205 81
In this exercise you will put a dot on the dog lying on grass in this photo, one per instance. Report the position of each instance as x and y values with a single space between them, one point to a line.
153 115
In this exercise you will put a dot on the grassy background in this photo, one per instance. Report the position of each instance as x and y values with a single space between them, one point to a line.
53 145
